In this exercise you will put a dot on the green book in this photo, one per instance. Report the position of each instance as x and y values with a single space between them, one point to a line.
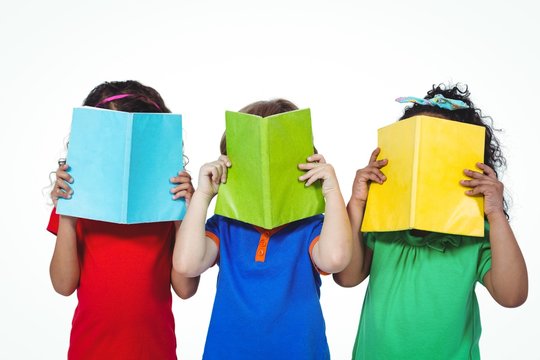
262 185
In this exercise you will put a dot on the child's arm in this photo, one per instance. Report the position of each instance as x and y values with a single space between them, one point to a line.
64 269
359 267
507 280
194 252
332 252
183 286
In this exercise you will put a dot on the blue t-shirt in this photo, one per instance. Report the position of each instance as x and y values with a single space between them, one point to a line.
267 298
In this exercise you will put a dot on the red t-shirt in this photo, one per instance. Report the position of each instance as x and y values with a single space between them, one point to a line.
124 309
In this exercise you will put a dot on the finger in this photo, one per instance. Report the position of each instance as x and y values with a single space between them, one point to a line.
64 175
474 174
312 170
184 190
225 160
487 170
184 173
478 190
62 185
375 175
64 167
59 193
320 173
379 163
313 175
374 155
317 158
180 179
185 186
468 183
221 168
224 173
308 166
180 194
215 176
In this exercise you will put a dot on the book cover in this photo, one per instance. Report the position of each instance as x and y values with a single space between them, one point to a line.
262 185
121 164
426 158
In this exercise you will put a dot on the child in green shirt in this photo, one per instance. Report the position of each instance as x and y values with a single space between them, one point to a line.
420 302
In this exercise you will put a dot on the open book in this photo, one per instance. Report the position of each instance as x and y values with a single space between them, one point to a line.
262 185
426 158
121 164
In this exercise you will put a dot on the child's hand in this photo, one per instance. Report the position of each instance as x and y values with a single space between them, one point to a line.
184 188
488 185
365 176
212 175
61 188
318 169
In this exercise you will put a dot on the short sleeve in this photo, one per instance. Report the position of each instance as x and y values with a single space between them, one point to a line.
316 224
54 220
369 239
484 257
212 229
314 234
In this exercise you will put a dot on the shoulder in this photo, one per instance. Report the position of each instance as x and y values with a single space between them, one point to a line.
217 223
221 220
310 227
307 223
310 221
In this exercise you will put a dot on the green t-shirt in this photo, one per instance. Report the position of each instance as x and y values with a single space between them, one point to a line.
420 302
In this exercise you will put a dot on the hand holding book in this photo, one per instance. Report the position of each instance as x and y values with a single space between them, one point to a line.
184 187
122 163
426 157
263 187
318 169
371 173
61 187
212 175
487 185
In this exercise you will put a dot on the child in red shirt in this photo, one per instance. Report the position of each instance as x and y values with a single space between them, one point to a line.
122 273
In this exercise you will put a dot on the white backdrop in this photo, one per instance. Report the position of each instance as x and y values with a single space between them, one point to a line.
346 60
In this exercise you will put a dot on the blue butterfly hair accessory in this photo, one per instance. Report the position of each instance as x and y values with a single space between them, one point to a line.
438 100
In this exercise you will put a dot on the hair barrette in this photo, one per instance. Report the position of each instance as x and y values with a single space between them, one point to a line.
438 101
121 96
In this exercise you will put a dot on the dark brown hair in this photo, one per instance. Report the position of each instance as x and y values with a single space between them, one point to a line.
140 102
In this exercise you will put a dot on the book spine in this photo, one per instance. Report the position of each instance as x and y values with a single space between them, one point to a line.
264 128
415 164
126 170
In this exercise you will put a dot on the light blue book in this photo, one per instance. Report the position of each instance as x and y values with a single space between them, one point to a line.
121 164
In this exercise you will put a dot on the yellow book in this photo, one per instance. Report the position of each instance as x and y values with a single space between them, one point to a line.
426 158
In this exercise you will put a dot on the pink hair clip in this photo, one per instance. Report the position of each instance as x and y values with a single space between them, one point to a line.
121 96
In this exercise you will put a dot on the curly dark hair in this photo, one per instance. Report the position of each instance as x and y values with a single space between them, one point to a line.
493 156
140 102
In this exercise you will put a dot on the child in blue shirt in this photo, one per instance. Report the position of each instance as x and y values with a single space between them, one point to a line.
267 298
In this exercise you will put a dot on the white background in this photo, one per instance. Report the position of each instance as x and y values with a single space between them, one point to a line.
346 60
